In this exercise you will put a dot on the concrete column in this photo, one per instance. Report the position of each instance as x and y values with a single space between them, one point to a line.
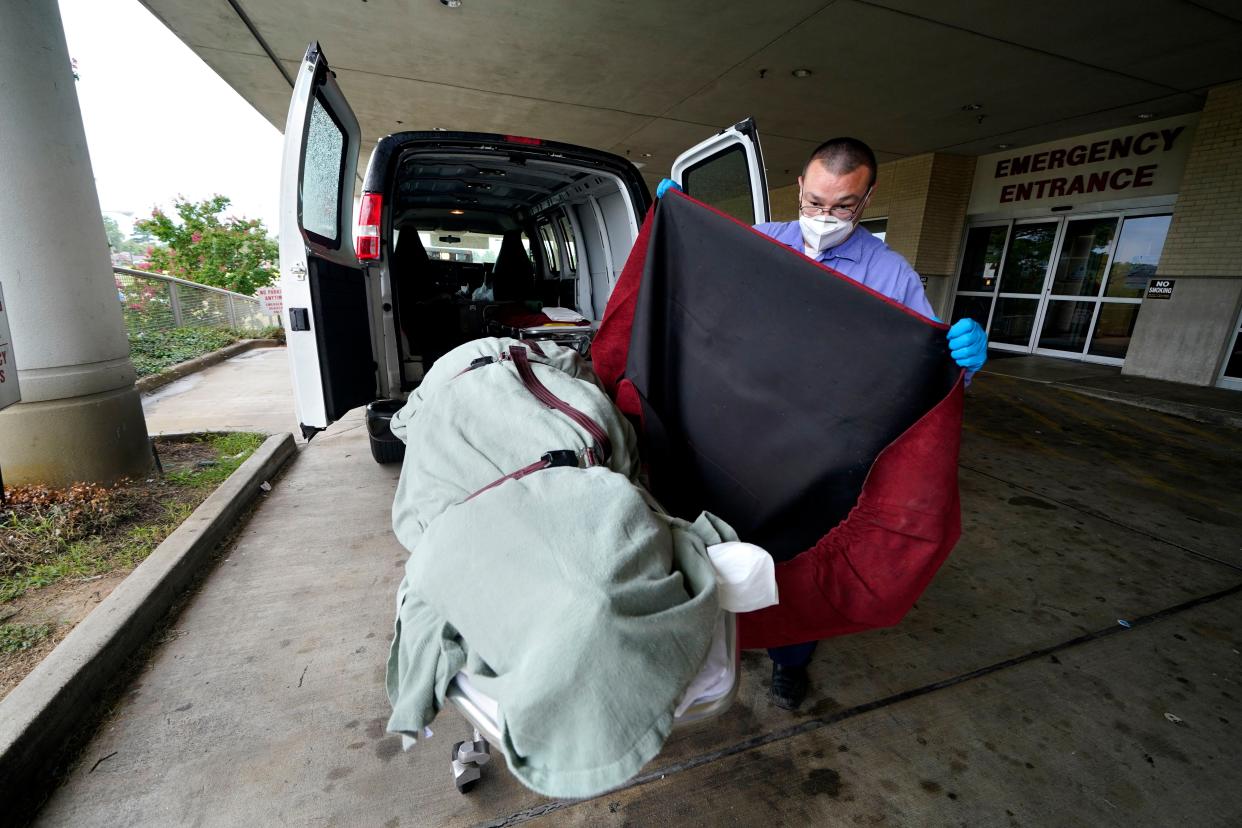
80 418
1184 338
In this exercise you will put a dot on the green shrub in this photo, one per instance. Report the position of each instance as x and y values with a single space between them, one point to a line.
153 351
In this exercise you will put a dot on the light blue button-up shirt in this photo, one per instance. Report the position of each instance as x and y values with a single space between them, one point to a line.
866 260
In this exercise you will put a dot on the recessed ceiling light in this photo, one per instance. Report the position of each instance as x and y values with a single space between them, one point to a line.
1003 146
452 4
801 73
457 212
975 107
646 155
1146 116
438 129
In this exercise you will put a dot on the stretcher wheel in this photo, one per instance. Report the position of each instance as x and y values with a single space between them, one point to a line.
469 757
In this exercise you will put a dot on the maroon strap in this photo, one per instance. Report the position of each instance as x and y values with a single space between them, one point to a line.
603 446
517 475
534 346
594 456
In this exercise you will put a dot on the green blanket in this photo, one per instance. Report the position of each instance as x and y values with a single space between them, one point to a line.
571 601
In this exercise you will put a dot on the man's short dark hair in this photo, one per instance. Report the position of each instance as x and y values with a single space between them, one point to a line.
844 155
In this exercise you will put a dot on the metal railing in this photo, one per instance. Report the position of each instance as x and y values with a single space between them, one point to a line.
155 302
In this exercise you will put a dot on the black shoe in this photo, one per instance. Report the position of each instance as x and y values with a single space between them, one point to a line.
789 686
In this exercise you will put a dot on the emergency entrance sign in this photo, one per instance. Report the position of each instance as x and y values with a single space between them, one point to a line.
9 392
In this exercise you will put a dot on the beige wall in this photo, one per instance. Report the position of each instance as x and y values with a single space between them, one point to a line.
1204 238
924 198
1184 337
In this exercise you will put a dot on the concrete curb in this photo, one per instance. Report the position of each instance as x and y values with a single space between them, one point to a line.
1198 413
59 697
190 366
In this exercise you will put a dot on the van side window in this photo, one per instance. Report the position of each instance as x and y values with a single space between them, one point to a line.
549 246
571 247
723 181
321 178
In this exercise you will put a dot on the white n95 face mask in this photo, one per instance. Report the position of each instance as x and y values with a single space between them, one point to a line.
823 232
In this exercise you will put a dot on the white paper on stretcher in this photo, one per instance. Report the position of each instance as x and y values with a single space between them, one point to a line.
745 576
563 315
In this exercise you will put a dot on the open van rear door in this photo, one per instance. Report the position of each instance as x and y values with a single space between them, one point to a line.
325 293
726 171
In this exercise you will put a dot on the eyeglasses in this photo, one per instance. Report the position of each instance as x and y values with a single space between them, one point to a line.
842 213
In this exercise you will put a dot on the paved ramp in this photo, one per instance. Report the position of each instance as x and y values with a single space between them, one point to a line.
1009 696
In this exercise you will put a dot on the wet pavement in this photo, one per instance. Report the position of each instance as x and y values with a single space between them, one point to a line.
1011 694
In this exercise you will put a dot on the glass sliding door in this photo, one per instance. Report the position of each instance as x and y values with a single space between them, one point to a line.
1021 286
1134 265
1098 285
1086 248
979 273
1067 287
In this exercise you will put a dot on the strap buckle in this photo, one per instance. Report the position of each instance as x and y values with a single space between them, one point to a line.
561 457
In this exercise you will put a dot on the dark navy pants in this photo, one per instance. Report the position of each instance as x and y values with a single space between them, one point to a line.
793 655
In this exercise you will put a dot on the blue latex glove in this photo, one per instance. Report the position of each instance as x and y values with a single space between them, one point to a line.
968 344
665 185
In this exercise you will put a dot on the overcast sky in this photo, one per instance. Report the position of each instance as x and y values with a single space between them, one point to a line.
160 122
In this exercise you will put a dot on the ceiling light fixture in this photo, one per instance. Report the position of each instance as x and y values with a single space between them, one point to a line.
452 4
438 129
1003 146
975 107
456 212
801 73
646 155
1146 116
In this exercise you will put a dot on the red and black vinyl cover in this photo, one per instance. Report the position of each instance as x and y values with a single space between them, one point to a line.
818 417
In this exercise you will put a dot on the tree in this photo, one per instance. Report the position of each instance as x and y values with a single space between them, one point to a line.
115 239
233 253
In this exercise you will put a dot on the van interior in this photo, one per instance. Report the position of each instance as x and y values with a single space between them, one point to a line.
481 240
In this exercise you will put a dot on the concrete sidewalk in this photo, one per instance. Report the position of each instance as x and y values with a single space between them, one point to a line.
1010 695
1216 406
249 392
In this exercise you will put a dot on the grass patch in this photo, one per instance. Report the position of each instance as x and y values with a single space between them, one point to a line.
48 535
231 450
14 638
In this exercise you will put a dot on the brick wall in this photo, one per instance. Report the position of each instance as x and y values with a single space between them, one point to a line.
1184 338
1204 237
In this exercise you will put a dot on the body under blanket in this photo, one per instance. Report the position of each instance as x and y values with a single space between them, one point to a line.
584 611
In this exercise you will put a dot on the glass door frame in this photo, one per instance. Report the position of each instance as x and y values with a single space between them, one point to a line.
1039 297
996 295
1045 294
1099 299
1222 381
961 259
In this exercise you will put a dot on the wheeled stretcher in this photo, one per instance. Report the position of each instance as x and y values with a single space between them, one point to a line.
710 693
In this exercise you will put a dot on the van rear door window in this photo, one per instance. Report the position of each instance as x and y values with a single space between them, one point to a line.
321 176
723 181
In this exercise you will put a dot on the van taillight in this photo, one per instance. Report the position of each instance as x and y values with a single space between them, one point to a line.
367 238
521 139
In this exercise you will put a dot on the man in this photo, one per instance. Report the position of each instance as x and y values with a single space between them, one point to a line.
833 190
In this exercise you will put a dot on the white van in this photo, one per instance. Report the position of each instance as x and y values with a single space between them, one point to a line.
367 310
